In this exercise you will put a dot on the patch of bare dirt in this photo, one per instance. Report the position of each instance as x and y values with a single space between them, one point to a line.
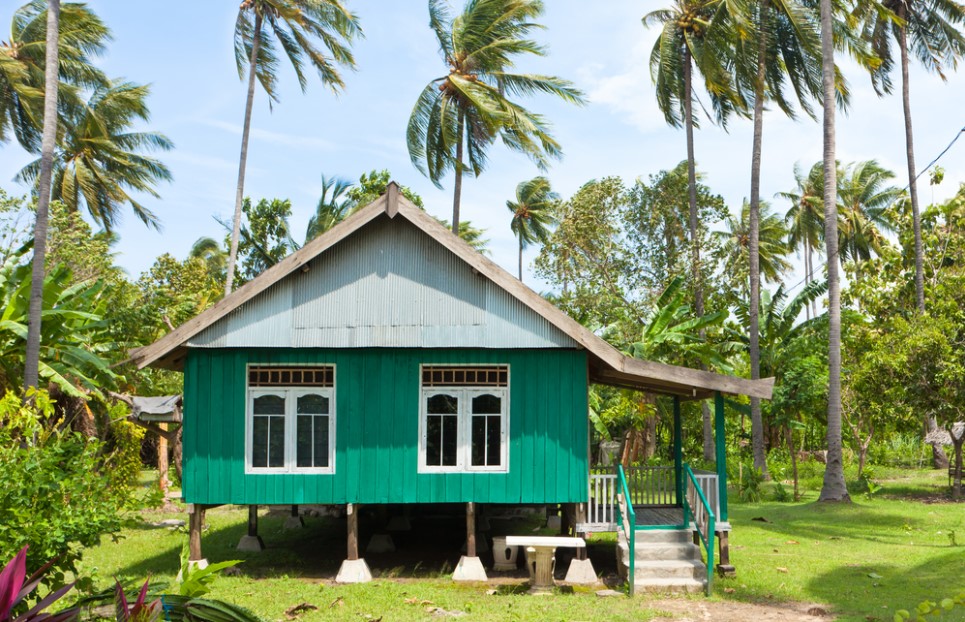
684 610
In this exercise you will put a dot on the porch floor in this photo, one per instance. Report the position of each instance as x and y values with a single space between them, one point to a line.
659 516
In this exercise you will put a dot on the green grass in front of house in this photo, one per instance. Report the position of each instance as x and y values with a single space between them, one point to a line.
864 560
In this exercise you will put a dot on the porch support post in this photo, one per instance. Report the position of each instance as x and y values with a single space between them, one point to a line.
721 451
354 569
678 452
252 542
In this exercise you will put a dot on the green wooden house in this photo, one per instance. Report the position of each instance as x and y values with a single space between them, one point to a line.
387 362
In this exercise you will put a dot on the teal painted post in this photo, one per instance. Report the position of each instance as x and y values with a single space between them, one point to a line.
720 445
678 452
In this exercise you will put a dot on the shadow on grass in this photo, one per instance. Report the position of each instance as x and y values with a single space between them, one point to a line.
431 550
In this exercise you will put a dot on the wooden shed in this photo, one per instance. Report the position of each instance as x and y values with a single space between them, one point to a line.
387 362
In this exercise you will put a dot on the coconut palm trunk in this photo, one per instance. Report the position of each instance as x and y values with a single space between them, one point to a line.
31 372
708 441
939 459
833 488
243 160
753 248
520 258
910 155
457 185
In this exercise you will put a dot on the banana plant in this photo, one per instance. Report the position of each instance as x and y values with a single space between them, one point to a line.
74 347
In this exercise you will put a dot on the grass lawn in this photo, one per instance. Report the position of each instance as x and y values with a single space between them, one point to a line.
863 560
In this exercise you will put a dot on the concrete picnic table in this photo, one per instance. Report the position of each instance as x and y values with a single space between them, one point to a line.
541 558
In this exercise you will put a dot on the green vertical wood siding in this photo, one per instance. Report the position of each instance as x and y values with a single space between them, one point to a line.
377 429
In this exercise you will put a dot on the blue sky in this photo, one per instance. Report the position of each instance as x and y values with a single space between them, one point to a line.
198 101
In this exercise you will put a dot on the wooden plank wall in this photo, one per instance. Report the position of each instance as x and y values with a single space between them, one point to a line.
377 430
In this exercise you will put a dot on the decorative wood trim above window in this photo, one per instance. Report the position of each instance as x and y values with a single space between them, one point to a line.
465 375
291 376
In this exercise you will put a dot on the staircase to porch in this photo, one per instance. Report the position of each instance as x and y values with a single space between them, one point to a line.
665 526
665 560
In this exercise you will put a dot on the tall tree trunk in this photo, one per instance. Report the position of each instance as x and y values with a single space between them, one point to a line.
520 256
457 189
695 234
910 155
31 372
757 426
243 161
834 487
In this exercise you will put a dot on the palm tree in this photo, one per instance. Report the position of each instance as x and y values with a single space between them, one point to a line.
47 145
805 221
297 25
331 209
865 199
100 159
459 115
532 213
931 29
694 33
81 35
787 45
834 487
734 252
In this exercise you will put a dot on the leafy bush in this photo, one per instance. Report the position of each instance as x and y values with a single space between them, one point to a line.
60 490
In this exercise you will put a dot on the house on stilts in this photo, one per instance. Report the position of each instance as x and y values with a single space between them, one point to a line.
387 362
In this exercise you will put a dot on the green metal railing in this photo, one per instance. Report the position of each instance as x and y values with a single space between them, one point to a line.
696 506
627 521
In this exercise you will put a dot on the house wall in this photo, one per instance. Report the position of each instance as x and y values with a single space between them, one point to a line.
377 429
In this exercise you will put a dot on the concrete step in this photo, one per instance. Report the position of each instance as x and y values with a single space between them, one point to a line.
688 586
674 550
669 569
652 536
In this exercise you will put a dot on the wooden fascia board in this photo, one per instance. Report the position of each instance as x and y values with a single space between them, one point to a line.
179 336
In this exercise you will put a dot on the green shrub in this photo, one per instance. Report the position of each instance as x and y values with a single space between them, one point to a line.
60 490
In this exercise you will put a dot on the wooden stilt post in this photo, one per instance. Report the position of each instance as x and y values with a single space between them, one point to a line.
195 522
251 542
253 521
354 569
294 511
352 519
580 520
470 529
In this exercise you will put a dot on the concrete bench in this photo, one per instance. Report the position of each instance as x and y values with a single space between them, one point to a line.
541 558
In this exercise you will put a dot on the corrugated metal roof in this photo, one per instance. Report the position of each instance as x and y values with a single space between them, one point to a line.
389 285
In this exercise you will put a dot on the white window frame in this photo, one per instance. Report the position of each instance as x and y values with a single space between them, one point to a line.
464 395
291 395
